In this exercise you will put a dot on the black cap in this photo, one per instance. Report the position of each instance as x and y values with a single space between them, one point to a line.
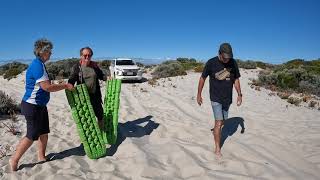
226 50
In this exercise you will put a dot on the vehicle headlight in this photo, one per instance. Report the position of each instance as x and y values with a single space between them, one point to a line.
119 72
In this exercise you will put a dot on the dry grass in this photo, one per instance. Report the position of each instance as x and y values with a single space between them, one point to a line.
4 151
13 116
11 128
283 95
294 100
312 104
272 94
153 82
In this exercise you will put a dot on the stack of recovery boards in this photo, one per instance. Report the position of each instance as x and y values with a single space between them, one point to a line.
92 138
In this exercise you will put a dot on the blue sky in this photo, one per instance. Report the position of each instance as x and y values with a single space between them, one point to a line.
269 30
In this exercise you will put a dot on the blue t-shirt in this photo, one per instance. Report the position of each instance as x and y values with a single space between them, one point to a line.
34 94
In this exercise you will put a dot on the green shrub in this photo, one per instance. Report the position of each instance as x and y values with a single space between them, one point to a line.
263 65
168 69
287 80
189 64
61 69
250 64
266 78
11 73
296 75
7 104
104 66
295 63
11 70
246 64
199 68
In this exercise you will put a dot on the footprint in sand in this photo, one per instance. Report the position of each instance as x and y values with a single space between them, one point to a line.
58 109
221 162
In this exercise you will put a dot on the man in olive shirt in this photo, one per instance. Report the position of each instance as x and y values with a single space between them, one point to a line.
223 72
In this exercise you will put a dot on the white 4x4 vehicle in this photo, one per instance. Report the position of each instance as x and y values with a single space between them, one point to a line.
125 69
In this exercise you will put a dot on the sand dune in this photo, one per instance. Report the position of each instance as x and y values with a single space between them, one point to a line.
164 134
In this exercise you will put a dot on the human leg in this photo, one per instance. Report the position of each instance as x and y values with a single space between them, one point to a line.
42 145
217 137
22 147
44 130
219 116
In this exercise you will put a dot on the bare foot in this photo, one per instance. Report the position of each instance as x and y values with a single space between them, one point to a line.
41 159
13 165
218 154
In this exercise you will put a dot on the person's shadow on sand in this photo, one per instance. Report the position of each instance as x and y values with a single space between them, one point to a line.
132 129
230 126
127 129
76 151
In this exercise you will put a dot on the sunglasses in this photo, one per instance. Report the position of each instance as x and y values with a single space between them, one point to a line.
86 55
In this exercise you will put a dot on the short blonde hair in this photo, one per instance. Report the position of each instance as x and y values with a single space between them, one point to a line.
41 46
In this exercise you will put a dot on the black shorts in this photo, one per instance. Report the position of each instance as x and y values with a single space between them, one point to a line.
37 120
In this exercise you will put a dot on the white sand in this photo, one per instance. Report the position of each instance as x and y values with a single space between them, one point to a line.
279 142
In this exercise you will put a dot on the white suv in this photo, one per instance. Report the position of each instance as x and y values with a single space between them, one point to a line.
126 69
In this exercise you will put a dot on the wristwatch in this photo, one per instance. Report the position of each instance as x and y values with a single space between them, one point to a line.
240 94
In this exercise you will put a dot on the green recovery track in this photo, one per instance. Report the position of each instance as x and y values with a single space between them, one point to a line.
84 116
111 110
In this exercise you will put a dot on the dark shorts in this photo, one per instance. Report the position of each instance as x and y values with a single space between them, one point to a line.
37 120
97 108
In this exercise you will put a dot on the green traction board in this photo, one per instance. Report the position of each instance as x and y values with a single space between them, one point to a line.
111 110
85 119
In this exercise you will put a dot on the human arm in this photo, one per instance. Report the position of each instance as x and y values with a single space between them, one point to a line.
47 86
205 73
237 84
238 89
200 87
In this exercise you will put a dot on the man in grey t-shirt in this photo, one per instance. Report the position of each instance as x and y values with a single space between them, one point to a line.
223 72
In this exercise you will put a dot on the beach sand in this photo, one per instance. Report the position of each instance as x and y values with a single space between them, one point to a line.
164 134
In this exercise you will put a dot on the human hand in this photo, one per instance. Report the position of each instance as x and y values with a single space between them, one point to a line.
69 86
199 100
239 100
107 77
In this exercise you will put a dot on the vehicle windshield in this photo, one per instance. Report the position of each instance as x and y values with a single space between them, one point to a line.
124 62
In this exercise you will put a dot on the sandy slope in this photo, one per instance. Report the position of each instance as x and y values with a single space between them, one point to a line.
164 134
